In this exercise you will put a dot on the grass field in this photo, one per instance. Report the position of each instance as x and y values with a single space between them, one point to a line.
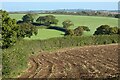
46 33
91 21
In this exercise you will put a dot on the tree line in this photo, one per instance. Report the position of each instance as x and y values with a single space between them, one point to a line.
85 13
13 30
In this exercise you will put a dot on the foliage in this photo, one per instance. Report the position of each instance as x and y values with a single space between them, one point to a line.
67 24
78 31
117 16
47 20
83 13
41 20
85 28
103 29
9 30
27 30
28 18
106 30
113 30
69 32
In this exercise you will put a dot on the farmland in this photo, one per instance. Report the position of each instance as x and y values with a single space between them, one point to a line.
15 59
91 21
75 63
49 47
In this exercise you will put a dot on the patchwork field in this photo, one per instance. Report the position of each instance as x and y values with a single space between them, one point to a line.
91 21
90 61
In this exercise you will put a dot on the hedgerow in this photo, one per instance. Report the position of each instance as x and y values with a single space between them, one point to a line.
16 57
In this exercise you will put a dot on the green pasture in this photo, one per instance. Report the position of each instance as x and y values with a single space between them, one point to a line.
45 34
91 21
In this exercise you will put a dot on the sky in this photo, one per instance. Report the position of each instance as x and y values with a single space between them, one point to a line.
27 6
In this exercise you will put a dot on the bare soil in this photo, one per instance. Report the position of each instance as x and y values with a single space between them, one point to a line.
88 61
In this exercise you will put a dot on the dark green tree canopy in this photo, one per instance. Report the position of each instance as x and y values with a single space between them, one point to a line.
67 24
47 20
27 30
77 31
103 29
117 16
28 18
9 30
106 30
41 20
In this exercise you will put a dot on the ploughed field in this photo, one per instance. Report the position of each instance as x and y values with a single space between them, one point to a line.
87 61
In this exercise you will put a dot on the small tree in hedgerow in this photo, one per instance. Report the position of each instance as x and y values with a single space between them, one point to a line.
78 31
113 30
85 28
102 30
67 24
69 32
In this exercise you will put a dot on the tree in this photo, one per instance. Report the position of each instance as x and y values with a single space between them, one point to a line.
27 30
41 20
67 24
47 20
27 18
9 30
117 16
103 29
85 28
78 31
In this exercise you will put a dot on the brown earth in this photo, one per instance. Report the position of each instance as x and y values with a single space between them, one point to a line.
87 61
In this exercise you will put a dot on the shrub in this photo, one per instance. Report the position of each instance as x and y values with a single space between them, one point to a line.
103 29
106 30
69 32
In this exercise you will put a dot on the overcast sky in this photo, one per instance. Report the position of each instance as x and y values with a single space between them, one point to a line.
25 6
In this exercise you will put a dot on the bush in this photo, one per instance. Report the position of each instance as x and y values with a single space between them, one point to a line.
69 32
103 29
106 30
78 31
